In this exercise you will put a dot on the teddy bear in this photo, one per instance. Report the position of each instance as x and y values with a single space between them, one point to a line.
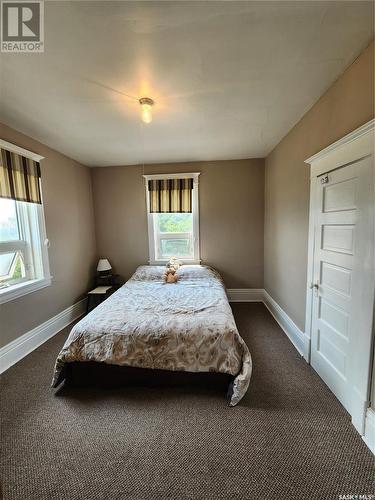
170 275
174 262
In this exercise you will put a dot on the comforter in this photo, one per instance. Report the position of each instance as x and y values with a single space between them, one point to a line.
148 323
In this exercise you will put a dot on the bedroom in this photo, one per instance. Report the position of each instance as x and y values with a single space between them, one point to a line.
239 138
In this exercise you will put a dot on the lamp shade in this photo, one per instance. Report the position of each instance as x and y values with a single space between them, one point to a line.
103 265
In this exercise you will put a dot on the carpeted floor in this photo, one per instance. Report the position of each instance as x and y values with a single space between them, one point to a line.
288 439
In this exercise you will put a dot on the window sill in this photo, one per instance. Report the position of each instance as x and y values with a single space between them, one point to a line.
16 291
183 261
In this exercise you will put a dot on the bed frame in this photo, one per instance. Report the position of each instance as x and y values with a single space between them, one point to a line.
103 375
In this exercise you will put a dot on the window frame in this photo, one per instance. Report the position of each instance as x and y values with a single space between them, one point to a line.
150 219
32 232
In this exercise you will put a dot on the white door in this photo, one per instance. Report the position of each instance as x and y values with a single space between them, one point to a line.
343 282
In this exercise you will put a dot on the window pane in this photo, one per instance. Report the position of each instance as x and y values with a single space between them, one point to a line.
173 235
6 260
11 266
179 247
18 271
8 220
175 223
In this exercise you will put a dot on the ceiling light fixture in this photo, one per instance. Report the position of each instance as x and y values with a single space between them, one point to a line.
146 104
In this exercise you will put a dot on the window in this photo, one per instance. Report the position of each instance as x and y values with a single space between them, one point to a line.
23 253
173 233
173 236
12 261
23 259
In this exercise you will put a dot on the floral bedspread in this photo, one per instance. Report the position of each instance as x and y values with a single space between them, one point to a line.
148 323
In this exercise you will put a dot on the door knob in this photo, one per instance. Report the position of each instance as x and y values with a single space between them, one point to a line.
315 287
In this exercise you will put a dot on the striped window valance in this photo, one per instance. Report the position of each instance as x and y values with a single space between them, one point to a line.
170 195
19 177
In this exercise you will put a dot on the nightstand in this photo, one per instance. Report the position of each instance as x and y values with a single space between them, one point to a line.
108 280
97 296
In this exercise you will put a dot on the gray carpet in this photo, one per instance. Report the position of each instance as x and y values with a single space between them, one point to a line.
288 439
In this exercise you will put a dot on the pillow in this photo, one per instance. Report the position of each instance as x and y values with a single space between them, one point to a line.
149 273
197 272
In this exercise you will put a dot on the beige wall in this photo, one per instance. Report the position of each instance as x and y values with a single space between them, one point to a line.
237 203
231 217
68 207
345 106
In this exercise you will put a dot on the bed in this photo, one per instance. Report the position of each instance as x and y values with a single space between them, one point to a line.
186 326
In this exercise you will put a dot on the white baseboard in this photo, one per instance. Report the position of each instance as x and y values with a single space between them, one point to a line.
22 346
369 436
19 348
245 294
300 341
358 406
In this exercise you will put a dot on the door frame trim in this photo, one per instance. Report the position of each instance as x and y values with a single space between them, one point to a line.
350 148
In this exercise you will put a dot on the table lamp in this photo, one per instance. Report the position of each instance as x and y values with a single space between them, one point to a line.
104 267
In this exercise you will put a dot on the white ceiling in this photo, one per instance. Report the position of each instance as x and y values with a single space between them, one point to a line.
229 78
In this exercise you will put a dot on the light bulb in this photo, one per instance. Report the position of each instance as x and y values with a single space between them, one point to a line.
146 113
146 105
